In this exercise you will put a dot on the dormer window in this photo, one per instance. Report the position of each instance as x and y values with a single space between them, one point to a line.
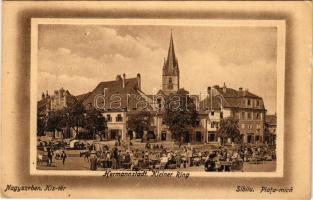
109 118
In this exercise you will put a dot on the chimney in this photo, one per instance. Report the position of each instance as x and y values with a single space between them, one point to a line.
240 91
43 96
118 77
224 88
124 80
209 99
62 92
139 81
209 90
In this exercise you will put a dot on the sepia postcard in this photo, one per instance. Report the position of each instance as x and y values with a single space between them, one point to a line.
101 101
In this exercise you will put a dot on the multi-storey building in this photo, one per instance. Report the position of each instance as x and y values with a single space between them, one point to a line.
270 129
117 99
240 104
59 100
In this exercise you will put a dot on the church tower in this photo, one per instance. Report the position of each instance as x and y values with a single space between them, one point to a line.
170 76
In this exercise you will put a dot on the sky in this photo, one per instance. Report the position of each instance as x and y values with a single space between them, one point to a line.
78 57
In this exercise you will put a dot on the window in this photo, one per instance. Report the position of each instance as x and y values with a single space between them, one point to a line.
212 125
242 115
198 136
119 118
257 115
151 135
109 118
249 102
212 113
221 115
163 135
211 137
159 104
250 139
257 103
170 83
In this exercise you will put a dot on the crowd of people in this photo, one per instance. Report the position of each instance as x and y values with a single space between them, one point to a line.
155 156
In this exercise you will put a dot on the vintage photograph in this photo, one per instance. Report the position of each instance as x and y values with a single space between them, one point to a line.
193 97
156 99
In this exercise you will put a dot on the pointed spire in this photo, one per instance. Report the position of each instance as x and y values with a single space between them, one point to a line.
171 52
171 64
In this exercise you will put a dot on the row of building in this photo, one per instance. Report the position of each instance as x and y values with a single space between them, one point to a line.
120 98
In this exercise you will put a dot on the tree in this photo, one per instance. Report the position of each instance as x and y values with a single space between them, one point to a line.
139 122
74 116
41 125
95 123
180 114
229 128
55 121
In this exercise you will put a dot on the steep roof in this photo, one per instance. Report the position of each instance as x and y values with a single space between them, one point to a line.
42 103
230 98
232 93
271 119
82 97
205 104
116 96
